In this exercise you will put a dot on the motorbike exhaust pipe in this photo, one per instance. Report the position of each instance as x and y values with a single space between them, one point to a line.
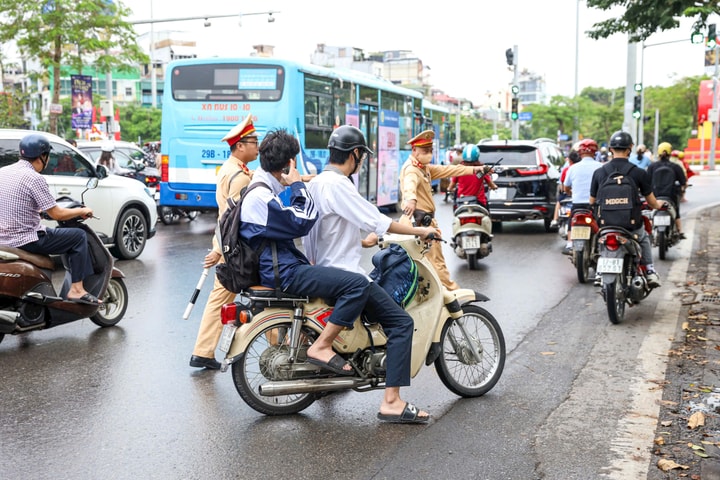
8 319
312 385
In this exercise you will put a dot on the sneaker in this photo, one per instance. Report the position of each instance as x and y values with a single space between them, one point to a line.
653 280
567 250
598 280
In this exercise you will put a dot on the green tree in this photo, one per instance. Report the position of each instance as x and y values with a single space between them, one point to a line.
63 32
642 18
11 109
140 124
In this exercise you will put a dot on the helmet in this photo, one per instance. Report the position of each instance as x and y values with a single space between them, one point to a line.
471 153
664 148
621 140
347 138
107 147
681 154
587 147
641 148
675 153
34 145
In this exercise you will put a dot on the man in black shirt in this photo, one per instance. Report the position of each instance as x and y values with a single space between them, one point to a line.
621 144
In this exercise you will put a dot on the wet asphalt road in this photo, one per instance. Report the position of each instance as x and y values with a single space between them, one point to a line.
81 402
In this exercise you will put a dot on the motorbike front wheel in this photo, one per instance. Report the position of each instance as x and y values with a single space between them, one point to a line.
114 306
615 299
662 242
266 359
473 353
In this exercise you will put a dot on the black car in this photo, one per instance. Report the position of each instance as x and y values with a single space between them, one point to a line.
528 172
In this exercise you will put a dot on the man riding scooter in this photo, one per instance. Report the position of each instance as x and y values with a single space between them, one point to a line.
24 193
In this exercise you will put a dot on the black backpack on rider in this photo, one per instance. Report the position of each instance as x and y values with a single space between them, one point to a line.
618 202
242 264
396 273
663 180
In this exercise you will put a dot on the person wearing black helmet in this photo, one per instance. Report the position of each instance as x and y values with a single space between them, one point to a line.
621 144
24 193
336 240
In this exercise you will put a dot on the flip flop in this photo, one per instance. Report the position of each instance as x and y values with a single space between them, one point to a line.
335 365
410 414
87 299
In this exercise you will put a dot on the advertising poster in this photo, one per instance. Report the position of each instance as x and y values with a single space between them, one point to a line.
388 156
82 107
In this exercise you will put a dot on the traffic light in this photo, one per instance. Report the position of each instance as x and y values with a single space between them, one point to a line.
515 89
712 36
514 109
509 56
636 106
697 37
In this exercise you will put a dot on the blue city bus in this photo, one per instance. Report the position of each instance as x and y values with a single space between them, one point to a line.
204 98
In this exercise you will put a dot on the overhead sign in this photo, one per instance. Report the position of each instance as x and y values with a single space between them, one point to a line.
525 116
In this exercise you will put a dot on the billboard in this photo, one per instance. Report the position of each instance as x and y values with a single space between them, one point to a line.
82 106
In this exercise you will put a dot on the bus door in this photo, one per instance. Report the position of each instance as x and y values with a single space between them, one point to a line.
368 175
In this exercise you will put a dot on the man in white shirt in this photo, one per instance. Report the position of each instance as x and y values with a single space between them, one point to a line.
578 179
336 240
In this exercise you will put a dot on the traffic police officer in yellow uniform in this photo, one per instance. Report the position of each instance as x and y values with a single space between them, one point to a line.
416 189
232 177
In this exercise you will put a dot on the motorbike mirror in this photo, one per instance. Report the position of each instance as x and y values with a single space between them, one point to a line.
91 183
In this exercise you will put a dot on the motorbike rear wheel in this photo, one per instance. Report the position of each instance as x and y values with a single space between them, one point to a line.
115 303
476 332
615 298
266 359
582 265
472 261
662 242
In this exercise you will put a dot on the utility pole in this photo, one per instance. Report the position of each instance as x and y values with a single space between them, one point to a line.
629 122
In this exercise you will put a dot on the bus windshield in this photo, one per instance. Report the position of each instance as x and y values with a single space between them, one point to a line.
227 81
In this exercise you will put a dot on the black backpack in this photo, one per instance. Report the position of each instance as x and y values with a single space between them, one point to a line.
618 202
663 180
242 264
396 273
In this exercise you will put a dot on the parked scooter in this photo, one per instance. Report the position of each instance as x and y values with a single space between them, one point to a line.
266 340
29 300
665 233
622 279
584 240
471 231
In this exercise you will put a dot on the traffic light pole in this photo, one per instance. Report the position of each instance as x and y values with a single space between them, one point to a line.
516 122
714 117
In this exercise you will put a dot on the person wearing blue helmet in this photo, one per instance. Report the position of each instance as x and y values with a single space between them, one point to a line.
24 193
472 185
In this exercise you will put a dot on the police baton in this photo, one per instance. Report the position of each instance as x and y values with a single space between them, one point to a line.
195 294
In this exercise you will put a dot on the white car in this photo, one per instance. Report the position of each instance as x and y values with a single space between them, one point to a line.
125 210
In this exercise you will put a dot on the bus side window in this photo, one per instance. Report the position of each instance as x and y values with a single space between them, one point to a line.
311 110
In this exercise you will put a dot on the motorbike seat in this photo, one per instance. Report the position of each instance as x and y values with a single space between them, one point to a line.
267 292
466 200
623 231
40 261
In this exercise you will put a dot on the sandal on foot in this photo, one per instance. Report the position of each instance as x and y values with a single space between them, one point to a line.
335 365
410 414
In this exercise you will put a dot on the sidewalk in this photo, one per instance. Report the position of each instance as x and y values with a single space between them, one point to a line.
691 393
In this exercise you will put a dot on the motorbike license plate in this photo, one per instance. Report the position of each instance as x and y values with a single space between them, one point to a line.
471 242
609 265
499 194
661 220
580 233
226 338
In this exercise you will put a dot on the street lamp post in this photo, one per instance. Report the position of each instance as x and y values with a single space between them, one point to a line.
152 21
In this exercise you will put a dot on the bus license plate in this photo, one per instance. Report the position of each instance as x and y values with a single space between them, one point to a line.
609 265
471 242
662 220
226 338
499 194
580 233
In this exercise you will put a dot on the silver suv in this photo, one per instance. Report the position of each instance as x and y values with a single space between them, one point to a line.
125 208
